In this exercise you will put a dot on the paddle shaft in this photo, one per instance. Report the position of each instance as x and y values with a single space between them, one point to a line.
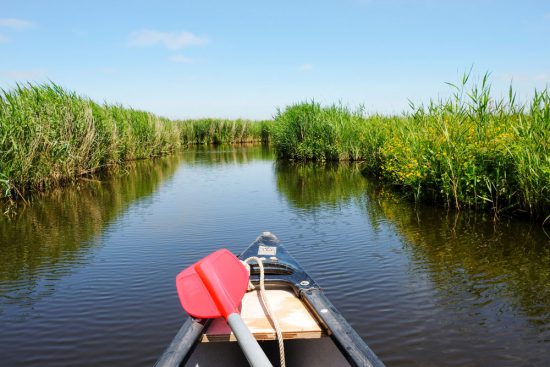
252 350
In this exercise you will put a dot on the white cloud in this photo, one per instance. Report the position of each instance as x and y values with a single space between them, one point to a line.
15 23
171 40
306 67
4 39
23 74
526 77
181 59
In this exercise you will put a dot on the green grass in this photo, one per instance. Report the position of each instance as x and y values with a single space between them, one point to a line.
470 150
49 135
221 131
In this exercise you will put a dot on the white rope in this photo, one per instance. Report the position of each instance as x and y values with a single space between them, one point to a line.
265 301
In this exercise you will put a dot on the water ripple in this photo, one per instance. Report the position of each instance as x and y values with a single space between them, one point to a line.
423 288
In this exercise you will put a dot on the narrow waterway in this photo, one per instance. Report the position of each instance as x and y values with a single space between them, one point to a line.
87 272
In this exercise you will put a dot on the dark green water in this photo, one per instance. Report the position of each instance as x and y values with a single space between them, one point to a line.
87 273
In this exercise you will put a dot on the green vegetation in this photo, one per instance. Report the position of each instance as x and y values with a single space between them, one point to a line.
220 131
49 135
470 150
466 256
307 131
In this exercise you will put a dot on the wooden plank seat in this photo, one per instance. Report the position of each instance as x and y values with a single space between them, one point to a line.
295 320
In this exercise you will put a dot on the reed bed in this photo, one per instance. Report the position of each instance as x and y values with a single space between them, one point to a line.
470 150
222 131
49 135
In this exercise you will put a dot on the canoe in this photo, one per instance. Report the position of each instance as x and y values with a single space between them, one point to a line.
314 332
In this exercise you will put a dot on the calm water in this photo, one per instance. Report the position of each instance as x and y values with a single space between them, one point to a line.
87 273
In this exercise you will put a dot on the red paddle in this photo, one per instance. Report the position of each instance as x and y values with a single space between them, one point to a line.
214 287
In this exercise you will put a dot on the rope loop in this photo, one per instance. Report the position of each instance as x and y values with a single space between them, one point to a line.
267 305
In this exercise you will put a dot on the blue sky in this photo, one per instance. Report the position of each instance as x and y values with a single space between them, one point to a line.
232 59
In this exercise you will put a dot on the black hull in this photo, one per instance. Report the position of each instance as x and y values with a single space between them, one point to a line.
281 269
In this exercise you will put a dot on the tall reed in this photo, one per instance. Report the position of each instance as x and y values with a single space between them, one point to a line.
470 150
222 131
49 135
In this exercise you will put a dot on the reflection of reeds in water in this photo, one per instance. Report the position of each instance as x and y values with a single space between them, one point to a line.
52 236
465 254
314 184
468 257
228 154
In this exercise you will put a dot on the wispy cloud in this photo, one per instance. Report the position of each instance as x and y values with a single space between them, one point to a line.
547 16
171 40
526 77
306 67
181 59
4 39
15 23
23 74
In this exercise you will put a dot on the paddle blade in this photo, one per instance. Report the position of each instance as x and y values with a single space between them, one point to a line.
213 286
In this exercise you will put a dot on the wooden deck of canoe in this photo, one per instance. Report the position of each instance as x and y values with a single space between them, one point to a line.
306 341
295 320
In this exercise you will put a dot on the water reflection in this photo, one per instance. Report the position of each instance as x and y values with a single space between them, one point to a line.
493 271
502 268
52 237
228 154
422 285
315 184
